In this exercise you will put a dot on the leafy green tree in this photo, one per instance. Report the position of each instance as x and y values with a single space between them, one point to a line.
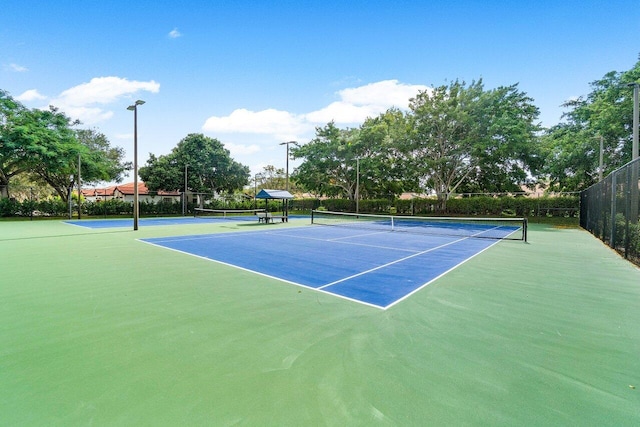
463 136
333 159
272 177
506 148
51 149
379 145
101 162
572 148
11 112
329 166
208 165
43 145
571 154
442 136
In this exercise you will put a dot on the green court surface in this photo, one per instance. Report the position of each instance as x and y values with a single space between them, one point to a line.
97 328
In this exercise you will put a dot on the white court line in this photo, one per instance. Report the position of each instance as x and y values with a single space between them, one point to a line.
263 274
225 235
322 288
350 243
439 276
391 263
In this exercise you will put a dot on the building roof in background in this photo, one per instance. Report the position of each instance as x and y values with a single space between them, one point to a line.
126 189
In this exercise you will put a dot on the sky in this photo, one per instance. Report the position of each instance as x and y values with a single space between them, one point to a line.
254 74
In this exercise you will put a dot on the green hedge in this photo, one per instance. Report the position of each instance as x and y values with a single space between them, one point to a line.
14 208
565 206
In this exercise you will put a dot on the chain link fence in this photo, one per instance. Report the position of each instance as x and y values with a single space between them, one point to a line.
609 210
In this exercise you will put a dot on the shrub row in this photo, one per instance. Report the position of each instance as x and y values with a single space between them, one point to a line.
12 207
566 206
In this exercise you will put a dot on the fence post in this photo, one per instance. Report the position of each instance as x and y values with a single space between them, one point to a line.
612 238
627 213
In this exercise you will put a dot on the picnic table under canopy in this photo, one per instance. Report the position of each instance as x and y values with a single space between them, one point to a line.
283 195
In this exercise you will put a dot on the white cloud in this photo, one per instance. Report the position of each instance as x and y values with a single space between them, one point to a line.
174 34
87 115
239 149
352 108
386 93
280 124
30 95
343 113
79 101
105 90
18 68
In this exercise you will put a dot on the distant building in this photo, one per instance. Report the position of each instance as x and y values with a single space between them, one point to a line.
125 192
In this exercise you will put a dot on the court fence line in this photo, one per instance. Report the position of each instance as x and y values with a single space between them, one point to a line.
609 210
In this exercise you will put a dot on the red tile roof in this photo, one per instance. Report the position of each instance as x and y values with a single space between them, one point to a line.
126 189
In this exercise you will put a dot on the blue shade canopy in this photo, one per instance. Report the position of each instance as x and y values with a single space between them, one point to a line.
274 194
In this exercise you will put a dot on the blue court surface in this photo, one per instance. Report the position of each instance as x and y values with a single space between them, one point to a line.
377 268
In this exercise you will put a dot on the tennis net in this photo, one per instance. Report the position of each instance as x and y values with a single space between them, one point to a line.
232 214
486 228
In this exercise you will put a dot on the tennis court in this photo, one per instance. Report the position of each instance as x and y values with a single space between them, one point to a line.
99 328
369 264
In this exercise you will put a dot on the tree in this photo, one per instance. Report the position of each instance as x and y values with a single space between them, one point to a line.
506 146
333 159
101 161
208 165
379 145
272 177
464 135
572 148
441 140
44 145
53 157
329 166
11 112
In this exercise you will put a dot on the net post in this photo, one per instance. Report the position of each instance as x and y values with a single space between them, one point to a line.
312 212
525 226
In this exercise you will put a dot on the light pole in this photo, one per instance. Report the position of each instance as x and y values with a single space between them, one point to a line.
286 214
184 196
136 213
634 146
633 199
255 189
357 184
70 192
79 188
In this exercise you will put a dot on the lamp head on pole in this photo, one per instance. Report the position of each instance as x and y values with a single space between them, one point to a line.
135 104
289 142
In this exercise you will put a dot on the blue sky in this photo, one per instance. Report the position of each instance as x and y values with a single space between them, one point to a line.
257 73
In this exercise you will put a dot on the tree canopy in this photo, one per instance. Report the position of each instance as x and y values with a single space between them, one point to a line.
208 166
454 136
572 148
44 145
